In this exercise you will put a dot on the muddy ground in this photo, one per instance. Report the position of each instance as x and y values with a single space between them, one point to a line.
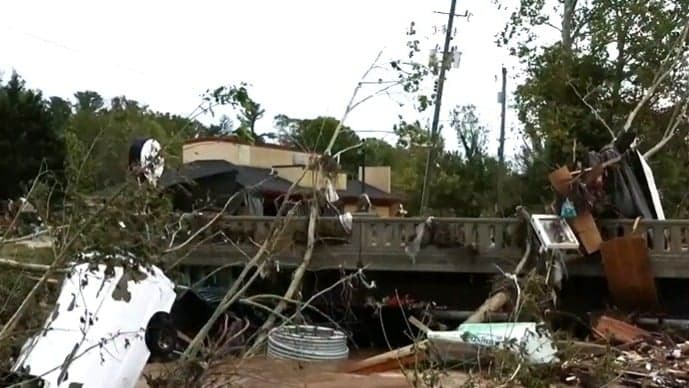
262 372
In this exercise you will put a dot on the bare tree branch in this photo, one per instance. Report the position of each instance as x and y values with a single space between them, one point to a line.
57 262
351 105
235 291
215 217
296 280
672 57
672 129
593 110
13 264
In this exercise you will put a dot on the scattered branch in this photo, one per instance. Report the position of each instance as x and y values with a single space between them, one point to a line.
235 292
296 280
13 264
496 301
215 217
58 261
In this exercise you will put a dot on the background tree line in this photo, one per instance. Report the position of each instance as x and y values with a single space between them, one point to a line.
577 95
66 136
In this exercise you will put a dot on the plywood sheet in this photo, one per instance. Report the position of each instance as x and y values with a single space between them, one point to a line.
627 268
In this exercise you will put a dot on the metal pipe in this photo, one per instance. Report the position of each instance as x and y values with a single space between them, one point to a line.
670 322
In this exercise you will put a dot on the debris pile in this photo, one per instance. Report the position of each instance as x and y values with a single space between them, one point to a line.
615 183
637 357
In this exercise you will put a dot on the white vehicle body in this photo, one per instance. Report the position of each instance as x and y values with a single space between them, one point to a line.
93 339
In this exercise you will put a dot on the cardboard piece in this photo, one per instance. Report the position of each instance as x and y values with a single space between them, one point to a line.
589 236
560 180
627 268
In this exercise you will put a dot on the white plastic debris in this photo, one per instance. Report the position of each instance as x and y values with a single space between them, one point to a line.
528 339
413 249
330 192
652 188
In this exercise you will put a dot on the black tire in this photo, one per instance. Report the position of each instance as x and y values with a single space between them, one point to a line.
161 335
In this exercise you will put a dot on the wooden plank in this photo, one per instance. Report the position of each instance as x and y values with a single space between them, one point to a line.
627 268
392 360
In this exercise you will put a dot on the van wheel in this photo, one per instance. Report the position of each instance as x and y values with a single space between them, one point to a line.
161 335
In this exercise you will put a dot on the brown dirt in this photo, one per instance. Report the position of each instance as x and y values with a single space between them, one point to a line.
262 372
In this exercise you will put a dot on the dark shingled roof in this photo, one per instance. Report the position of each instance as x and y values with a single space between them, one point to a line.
250 176
244 175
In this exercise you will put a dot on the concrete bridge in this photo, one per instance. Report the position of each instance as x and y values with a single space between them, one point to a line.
461 245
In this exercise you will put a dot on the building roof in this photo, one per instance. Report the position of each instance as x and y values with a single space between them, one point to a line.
250 176
236 140
244 175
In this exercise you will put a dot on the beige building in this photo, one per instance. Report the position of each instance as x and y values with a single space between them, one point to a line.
289 164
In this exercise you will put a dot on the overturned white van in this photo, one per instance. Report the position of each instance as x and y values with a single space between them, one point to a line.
105 325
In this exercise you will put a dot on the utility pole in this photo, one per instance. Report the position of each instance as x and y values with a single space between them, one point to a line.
362 150
501 146
503 101
438 99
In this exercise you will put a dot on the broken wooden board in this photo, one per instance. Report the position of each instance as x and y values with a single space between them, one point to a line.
408 356
627 268
586 230
395 359
618 331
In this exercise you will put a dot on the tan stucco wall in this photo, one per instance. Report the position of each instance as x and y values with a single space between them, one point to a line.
378 177
293 174
241 154
268 157
210 150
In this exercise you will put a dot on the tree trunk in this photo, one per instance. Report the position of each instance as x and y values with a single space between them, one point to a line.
567 34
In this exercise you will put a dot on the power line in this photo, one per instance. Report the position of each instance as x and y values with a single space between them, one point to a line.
90 55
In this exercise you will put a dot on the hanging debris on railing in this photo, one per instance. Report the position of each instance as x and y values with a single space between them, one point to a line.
627 268
616 181
414 247
553 232
574 204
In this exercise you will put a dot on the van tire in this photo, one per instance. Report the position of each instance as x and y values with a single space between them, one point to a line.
161 335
